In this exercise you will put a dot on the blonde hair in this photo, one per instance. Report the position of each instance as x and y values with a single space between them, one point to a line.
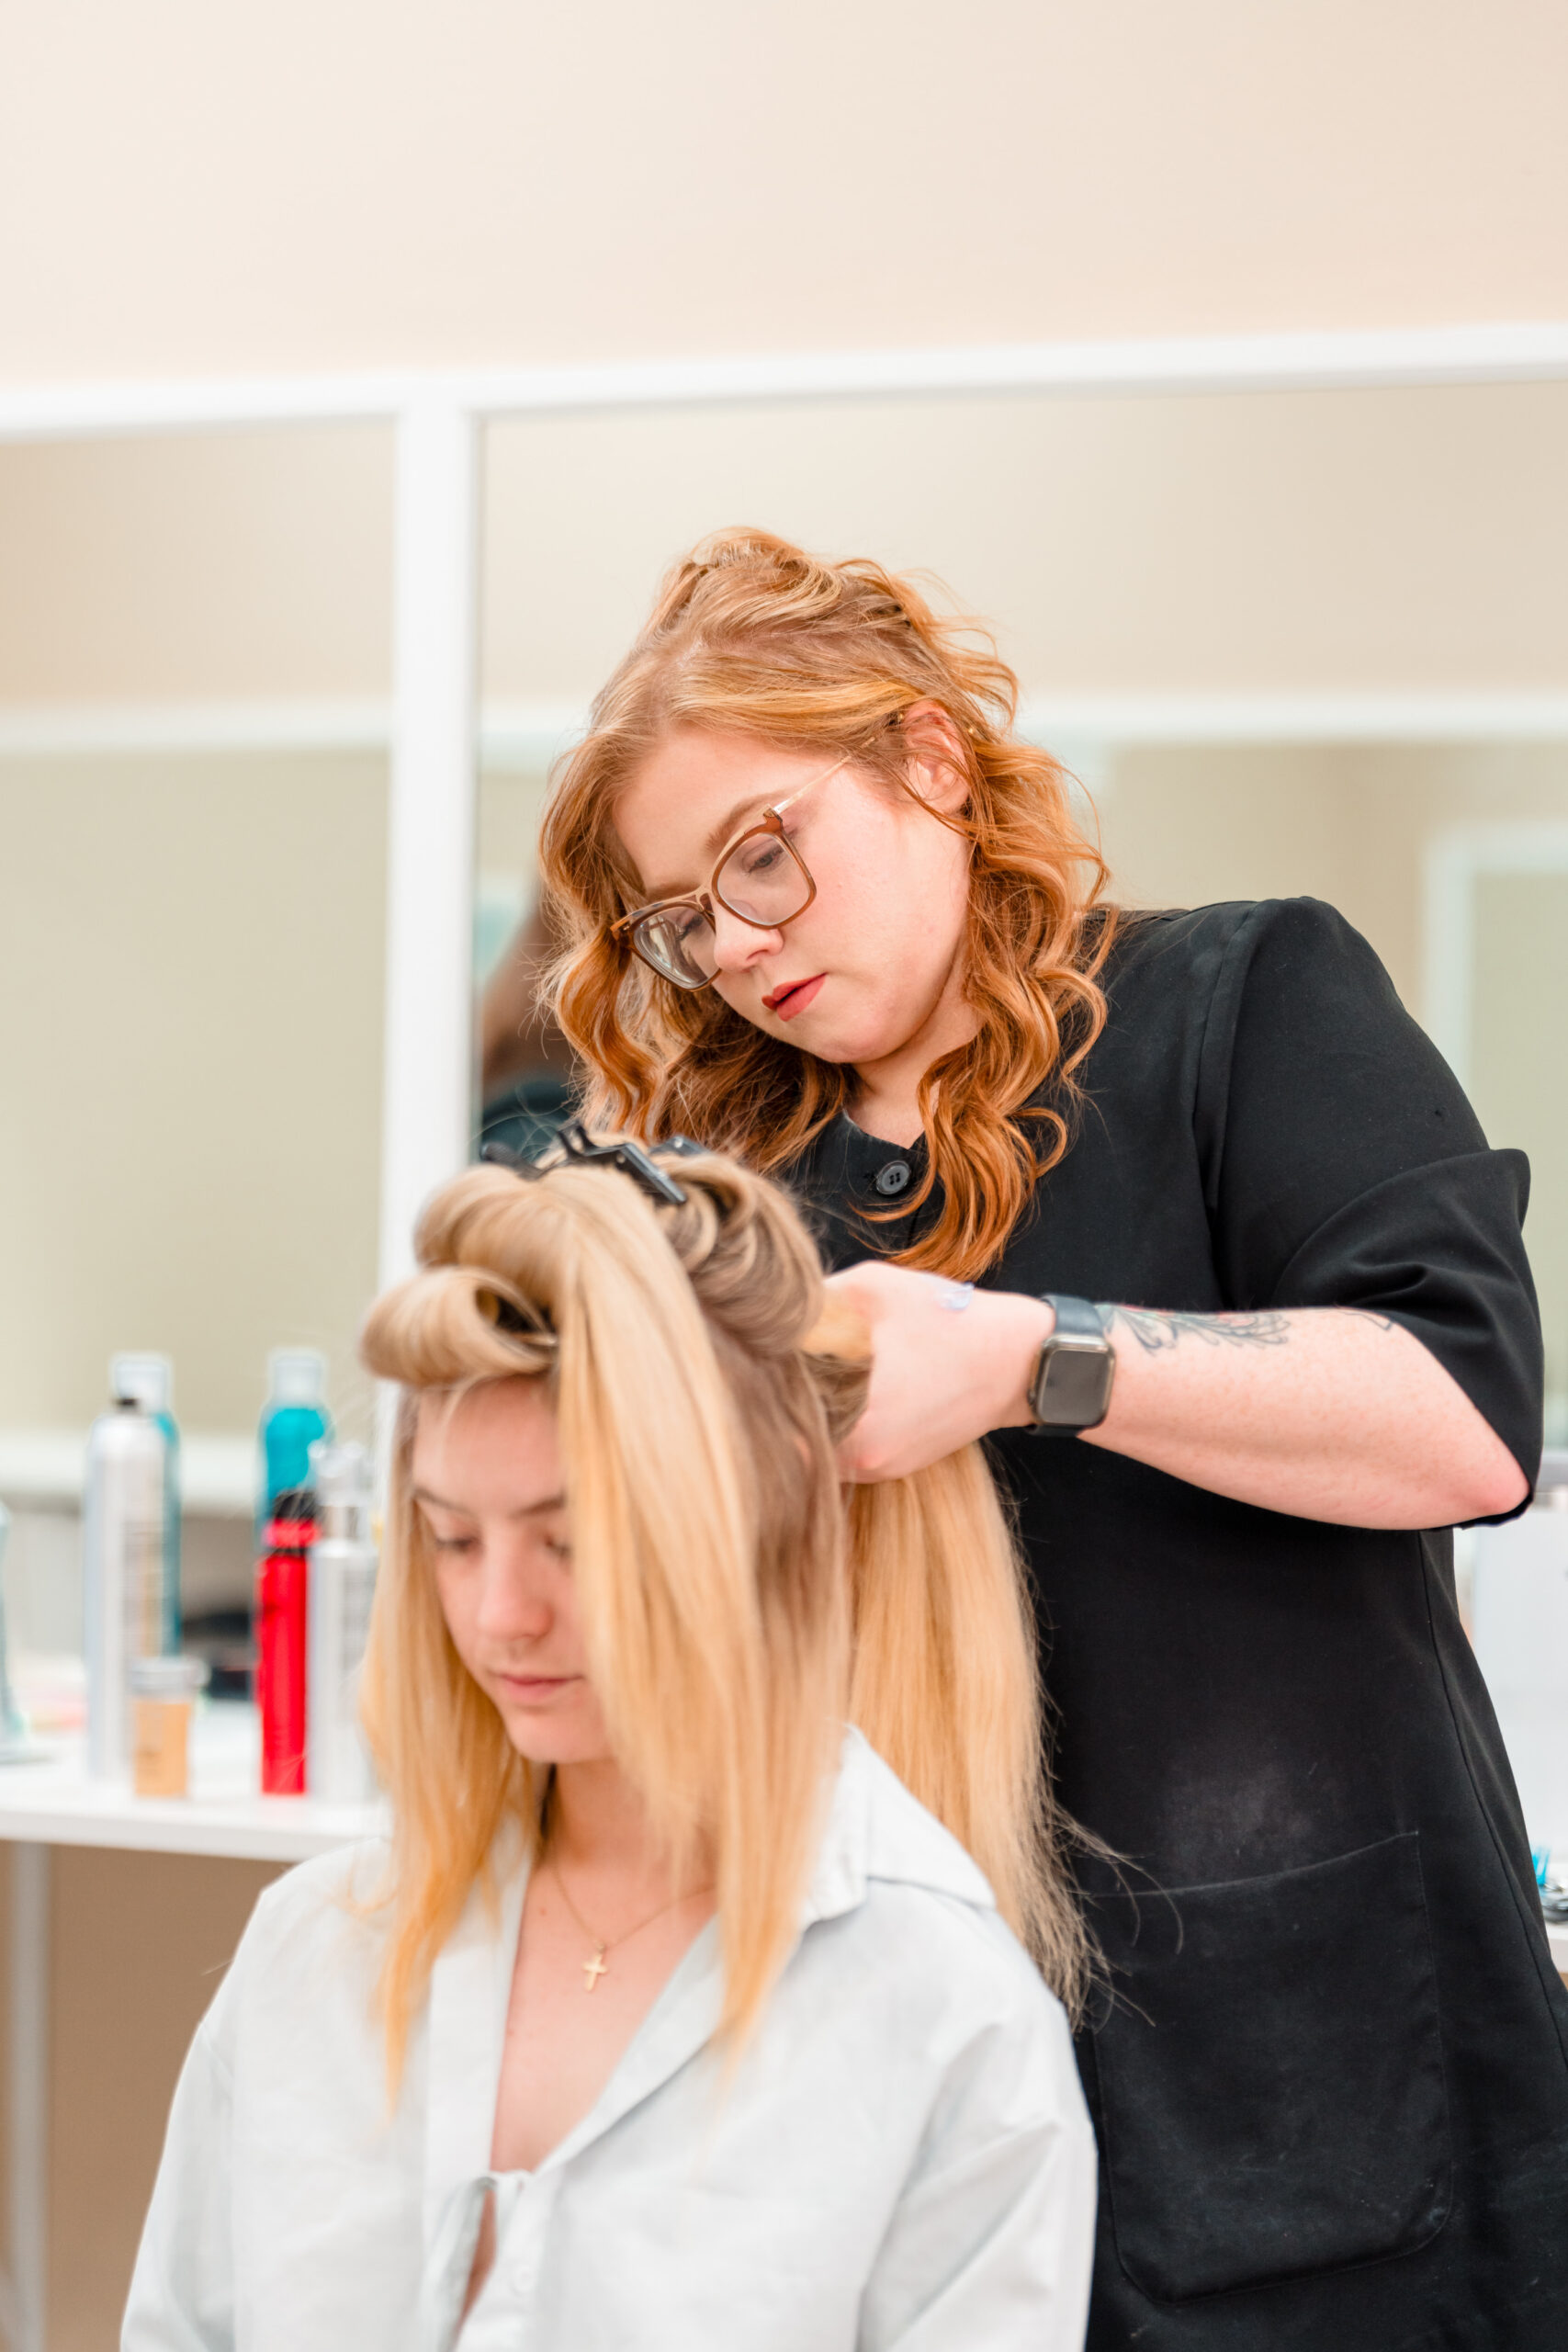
753 635
734 1608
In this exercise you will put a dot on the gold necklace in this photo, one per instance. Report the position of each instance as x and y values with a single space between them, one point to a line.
598 1965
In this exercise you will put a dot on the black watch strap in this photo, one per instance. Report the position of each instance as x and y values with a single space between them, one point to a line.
1077 1318
1070 1390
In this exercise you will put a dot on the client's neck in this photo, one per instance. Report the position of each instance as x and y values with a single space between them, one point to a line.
597 1822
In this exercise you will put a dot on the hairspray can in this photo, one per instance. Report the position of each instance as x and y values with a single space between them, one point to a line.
151 1380
282 1583
342 1582
124 1569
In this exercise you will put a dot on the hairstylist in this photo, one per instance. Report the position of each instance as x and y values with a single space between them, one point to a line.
1253 1320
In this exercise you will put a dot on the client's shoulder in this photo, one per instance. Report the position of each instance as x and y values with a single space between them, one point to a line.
328 1909
923 1910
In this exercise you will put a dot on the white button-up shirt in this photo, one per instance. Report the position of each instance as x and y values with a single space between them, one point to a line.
901 2159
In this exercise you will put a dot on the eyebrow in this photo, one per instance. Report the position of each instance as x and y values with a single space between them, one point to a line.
461 1511
729 825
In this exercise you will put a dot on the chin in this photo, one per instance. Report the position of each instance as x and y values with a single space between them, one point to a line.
831 1040
540 1741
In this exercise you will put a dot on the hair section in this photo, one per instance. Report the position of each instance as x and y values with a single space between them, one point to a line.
734 1607
751 634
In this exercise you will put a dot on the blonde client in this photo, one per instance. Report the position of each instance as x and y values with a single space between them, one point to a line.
672 2016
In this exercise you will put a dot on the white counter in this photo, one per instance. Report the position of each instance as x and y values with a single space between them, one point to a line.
51 1801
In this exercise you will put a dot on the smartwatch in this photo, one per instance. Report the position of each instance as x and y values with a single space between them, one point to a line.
1069 1388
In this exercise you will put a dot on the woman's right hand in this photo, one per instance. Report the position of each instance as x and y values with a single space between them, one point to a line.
948 1364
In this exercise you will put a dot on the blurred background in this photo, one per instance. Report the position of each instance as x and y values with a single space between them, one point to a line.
1289 640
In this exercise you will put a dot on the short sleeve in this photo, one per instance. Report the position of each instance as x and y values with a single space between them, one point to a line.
1344 1166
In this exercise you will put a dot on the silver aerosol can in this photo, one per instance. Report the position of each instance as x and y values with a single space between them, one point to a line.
12 1725
125 1606
342 1585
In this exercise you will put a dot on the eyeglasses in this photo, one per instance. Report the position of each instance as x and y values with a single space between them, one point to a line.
760 878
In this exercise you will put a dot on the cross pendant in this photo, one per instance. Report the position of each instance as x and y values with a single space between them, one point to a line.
594 1968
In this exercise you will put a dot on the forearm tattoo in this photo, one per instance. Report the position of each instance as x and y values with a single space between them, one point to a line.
1155 1330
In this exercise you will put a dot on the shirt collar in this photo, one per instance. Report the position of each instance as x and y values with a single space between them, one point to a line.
873 1830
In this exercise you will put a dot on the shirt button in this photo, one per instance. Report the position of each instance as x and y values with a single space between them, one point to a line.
892 1179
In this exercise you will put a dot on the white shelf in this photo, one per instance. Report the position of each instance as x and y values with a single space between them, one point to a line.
218 1472
51 1801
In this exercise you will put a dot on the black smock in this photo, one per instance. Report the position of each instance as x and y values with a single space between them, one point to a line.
1331 2084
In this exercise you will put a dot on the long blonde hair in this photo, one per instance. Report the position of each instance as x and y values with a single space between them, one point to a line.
751 634
735 1610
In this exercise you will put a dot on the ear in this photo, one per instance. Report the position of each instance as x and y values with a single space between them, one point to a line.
937 762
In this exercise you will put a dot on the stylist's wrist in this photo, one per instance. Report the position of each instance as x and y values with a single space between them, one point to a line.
948 1364
1021 1325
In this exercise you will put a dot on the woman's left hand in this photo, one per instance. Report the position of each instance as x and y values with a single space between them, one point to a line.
948 1364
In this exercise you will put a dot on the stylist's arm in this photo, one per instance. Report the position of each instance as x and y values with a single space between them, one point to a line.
1327 1413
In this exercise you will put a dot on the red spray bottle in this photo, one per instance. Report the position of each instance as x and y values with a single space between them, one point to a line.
282 1623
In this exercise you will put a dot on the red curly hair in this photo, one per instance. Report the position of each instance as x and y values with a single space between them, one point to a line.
752 634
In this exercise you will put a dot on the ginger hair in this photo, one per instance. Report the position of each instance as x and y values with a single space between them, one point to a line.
752 634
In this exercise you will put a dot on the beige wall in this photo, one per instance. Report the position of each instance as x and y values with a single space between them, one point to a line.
190 1032
205 567
190 189
1253 542
1249 542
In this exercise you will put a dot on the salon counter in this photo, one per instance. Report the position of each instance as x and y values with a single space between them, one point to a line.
47 1799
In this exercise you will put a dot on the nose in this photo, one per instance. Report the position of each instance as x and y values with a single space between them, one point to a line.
514 1605
737 945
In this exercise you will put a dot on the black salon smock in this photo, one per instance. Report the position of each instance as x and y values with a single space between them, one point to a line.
1331 2087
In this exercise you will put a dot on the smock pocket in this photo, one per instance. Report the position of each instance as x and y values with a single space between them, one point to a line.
1271 2074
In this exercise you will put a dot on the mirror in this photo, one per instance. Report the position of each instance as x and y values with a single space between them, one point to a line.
1288 642
195 635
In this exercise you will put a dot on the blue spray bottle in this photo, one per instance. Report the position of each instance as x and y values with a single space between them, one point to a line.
294 1418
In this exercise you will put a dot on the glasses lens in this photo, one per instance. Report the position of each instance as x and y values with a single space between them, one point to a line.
677 942
763 881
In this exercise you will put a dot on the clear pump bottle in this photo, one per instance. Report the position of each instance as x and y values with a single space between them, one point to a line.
342 1586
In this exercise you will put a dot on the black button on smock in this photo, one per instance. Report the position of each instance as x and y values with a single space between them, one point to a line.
1332 2091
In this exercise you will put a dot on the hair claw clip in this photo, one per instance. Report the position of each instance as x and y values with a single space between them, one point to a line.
629 1158
574 1142
500 1155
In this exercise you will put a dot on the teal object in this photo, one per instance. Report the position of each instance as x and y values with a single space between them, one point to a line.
288 1434
294 1418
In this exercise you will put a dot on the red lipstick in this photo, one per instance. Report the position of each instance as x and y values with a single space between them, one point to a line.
787 1001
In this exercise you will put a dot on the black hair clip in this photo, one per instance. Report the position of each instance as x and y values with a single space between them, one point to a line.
574 1142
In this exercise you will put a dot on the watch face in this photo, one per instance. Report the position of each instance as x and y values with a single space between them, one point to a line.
1074 1386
